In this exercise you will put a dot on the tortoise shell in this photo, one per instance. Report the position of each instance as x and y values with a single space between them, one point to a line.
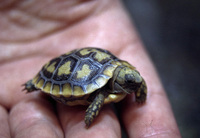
77 74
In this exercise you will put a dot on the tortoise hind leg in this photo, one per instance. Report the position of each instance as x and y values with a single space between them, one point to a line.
29 86
93 109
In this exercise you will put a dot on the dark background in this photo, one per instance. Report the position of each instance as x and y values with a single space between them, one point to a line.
170 31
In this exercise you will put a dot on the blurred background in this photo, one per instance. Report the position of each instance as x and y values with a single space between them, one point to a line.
170 31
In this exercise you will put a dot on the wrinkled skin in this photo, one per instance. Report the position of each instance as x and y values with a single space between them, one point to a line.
32 33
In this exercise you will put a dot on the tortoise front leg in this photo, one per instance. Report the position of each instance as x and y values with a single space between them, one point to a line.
93 109
141 94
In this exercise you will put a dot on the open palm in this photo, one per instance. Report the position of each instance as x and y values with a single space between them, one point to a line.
33 32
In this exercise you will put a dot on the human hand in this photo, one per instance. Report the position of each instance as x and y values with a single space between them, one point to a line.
33 32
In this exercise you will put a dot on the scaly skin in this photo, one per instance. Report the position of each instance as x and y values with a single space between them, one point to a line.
93 109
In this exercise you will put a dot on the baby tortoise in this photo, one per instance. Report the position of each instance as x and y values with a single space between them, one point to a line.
88 76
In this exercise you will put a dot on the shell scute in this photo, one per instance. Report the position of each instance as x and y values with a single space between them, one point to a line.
77 73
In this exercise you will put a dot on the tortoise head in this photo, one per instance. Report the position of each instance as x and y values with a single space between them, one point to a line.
129 80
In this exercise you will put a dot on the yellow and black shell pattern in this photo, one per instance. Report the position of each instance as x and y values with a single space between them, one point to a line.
77 74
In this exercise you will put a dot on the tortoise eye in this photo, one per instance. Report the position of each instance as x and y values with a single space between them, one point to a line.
129 78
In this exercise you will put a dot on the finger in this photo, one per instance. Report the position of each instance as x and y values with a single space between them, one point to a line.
72 120
34 117
155 117
4 128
